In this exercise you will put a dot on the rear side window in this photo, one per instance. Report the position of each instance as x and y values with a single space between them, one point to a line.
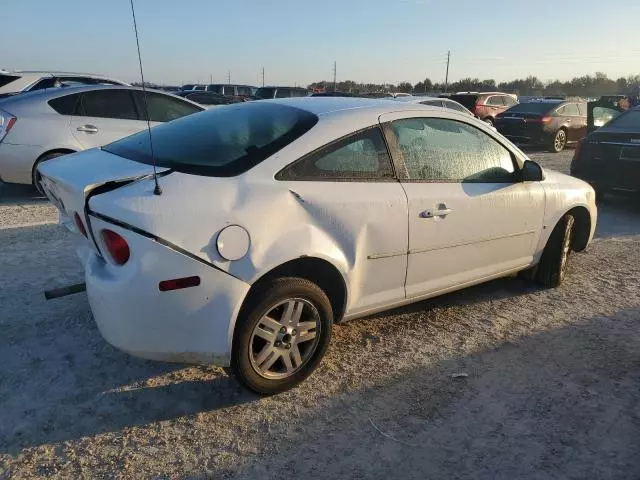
509 101
283 93
229 90
362 156
67 105
163 108
265 93
432 103
244 90
442 150
223 141
108 104
455 106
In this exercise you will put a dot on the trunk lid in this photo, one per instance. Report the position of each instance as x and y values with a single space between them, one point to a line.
69 180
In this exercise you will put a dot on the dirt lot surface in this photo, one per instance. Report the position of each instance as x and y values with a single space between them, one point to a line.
551 387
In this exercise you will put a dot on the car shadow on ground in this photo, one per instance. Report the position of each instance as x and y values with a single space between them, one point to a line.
555 404
618 215
13 194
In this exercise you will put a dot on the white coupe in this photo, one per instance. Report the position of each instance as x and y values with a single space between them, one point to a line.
279 218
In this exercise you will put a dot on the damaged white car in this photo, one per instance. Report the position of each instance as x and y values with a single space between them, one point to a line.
278 218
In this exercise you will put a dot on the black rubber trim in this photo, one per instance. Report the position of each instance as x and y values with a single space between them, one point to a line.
159 240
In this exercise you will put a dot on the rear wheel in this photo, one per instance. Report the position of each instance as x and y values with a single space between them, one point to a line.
559 141
35 180
552 268
281 335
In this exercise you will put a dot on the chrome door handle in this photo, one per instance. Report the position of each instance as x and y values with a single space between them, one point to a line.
88 129
436 213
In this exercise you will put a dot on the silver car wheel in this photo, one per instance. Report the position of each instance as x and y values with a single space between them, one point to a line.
285 338
560 140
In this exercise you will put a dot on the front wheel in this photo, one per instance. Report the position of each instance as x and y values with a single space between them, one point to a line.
281 335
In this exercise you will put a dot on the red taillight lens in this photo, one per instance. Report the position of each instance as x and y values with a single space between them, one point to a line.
117 246
546 119
476 108
80 225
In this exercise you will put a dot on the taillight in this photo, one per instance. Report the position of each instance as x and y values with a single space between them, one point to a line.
546 119
116 245
7 121
80 225
476 108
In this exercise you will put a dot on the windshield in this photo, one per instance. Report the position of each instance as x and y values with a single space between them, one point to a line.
224 141
265 93
468 101
537 108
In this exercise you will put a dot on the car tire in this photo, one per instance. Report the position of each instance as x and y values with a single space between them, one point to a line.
559 141
35 176
552 269
264 356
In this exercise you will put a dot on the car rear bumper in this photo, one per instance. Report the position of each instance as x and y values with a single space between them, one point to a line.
16 162
192 325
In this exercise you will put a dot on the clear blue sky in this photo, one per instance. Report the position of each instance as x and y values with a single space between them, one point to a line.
297 41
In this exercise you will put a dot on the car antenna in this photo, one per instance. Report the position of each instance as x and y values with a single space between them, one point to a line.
156 190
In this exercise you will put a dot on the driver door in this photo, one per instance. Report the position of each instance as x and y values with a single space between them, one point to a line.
471 218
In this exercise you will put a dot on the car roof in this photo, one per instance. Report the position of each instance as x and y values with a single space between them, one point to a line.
284 86
333 105
415 98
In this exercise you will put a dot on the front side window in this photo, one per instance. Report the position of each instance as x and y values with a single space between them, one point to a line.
222 141
283 93
229 91
442 150
109 103
163 108
244 91
509 101
362 156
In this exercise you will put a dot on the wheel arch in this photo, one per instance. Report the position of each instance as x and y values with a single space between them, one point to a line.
581 229
64 151
317 270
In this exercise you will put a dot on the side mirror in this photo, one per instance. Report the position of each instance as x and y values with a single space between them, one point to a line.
531 172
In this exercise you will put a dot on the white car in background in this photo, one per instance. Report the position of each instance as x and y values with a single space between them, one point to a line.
21 81
278 218
434 102
38 126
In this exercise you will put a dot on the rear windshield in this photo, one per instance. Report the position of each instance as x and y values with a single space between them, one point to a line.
630 120
265 92
533 107
7 79
223 141
468 101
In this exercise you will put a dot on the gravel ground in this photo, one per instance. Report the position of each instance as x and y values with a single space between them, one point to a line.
550 385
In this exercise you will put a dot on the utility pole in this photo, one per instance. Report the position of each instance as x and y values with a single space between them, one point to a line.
210 78
334 75
446 79
229 78
263 76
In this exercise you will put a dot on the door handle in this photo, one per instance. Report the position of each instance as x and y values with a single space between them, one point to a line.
88 129
436 213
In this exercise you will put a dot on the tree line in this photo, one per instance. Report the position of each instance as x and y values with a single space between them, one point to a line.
584 86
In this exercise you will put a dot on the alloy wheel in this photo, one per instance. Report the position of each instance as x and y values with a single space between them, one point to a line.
560 140
285 338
